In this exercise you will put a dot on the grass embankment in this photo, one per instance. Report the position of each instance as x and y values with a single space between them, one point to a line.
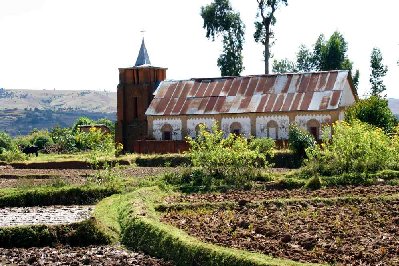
133 217
44 196
77 234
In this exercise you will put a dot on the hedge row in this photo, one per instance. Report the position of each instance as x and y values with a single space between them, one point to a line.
142 230
44 196
78 234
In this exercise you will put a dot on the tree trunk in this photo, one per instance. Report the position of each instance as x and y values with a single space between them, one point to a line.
267 51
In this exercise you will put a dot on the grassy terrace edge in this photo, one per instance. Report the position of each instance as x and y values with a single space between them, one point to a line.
132 219
83 233
44 196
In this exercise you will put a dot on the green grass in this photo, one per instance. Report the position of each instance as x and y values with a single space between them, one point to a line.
77 234
47 195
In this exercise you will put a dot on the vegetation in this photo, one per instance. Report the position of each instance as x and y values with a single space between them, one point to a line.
378 72
326 55
374 111
355 148
221 20
300 140
78 234
218 161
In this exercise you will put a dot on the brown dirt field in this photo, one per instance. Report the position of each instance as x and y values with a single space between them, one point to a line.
259 195
342 232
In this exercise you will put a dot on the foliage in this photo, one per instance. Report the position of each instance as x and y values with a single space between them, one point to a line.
6 142
41 138
284 66
45 196
374 111
355 148
378 72
64 140
356 79
9 150
220 19
263 145
266 19
229 159
77 234
299 139
95 140
305 61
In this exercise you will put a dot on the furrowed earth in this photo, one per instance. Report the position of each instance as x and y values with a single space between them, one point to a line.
344 226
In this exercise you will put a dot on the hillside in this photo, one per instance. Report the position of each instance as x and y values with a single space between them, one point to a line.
21 111
394 106
93 101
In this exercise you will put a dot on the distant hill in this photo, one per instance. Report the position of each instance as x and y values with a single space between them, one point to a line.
93 101
21 111
394 106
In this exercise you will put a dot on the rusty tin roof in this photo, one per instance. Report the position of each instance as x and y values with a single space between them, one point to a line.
250 94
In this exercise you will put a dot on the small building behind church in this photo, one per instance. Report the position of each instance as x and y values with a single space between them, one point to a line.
152 108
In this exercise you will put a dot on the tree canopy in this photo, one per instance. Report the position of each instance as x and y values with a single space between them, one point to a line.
221 20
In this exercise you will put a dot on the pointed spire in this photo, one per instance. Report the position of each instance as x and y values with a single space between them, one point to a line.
143 58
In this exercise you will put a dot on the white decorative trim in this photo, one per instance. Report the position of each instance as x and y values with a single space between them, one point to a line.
176 125
302 121
283 122
244 121
192 123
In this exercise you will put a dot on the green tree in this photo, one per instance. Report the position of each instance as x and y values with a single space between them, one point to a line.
305 60
221 20
284 66
356 78
378 72
374 111
6 142
266 19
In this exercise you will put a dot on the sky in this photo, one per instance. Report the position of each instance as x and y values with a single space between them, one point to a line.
80 44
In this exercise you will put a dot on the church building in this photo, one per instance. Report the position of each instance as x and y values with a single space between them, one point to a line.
152 108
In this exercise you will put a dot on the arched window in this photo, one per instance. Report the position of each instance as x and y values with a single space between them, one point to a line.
235 128
272 129
166 132
314 128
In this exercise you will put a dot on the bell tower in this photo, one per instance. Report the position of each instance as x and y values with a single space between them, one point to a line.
134 94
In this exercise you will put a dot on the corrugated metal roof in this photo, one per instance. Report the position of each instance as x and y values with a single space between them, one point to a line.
250 94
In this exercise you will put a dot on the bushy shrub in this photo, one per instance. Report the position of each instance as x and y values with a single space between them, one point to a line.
355 148
263 145
6 142
63 139
374 111
95 140
299 139
41 138
9 150
229 159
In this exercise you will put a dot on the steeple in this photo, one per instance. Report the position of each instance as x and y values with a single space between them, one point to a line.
143 58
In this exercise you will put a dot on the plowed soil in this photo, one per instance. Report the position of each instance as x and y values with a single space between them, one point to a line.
259 195
362 231
103 255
